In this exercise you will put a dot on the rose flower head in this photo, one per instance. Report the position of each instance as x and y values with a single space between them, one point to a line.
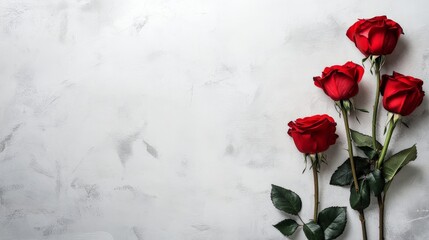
375 36
313 134
401 94
340 82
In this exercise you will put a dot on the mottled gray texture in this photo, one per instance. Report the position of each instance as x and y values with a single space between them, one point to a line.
162 119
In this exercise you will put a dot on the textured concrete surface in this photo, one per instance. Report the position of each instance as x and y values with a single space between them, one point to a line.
166 119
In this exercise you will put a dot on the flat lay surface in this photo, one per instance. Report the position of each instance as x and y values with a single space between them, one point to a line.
162 119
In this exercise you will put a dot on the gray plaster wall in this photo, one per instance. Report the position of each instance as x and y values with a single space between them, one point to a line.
166 119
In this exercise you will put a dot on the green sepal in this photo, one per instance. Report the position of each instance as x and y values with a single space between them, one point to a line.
347 105
287 227
363 61
285 200
362 110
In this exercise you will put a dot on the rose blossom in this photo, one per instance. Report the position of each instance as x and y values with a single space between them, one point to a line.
313 134
375 36
340 82
401 94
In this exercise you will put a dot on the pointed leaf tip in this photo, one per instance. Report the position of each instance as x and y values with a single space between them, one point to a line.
313 231
361 199
376 182
343 175
286 200
287 227
333 221
396 162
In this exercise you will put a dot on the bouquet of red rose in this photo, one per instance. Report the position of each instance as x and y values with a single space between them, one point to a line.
371 172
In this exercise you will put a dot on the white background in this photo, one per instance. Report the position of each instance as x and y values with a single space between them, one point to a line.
167 119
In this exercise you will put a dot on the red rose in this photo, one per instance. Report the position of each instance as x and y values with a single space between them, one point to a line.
313 134
401 94
340 82
375 36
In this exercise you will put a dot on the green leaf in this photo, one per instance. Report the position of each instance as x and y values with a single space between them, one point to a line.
376 182
285 200
369 152
363 140
392 165
343 175
361 199
364 143
313 231
386 186
287 227
333 221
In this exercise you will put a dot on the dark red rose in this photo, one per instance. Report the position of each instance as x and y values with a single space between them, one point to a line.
340 82
313 134
401 94
375 36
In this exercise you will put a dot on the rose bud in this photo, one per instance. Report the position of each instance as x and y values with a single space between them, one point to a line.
313 134
401 94
340 82
375 36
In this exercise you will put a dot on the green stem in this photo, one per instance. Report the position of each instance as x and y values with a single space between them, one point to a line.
381 200
380 217
300 219
352 165
392 123
363 224
376 103
316 190
350 149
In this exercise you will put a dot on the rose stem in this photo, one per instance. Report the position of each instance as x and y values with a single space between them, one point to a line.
375 108
392 123
349 145
316 187
381 200
363 224
352 164
374 144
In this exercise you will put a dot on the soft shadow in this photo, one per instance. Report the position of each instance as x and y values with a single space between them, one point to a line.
365 98
415 122
397 58
418 119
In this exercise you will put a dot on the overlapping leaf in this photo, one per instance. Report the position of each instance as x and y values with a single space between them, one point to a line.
313 231
333 221
343 175
365 143
376 182
360 200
